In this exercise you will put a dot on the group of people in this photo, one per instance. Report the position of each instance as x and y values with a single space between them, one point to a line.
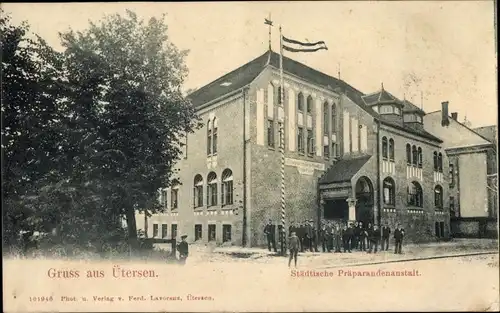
341 237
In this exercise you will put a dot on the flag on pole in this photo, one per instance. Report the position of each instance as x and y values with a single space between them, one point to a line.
292 45
268 22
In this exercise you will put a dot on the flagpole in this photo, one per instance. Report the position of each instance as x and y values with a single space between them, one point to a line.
281 118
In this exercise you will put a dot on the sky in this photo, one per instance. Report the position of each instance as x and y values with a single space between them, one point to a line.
444 51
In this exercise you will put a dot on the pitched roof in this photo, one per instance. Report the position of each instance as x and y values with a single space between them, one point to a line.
343 170
230 82
487 132
246 73
410 107
381 96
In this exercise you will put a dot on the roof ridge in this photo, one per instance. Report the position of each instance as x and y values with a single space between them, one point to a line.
221 78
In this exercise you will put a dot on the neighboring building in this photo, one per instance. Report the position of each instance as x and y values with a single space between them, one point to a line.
348 156
472 164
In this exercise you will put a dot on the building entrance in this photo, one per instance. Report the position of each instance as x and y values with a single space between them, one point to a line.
364 200
336 209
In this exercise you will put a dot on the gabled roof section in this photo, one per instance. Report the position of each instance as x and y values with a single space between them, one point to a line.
410 107
487 132
343 170
381 96
230 82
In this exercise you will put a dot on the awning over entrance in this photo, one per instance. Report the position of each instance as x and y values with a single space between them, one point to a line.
343 170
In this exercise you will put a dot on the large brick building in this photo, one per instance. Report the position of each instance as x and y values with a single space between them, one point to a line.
348 156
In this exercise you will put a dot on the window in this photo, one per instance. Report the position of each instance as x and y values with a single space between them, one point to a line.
155 230
435 162
326 151
325 118
163 199
441 228
389 191
211 232
198 191
310 142
335 150
414 155
334 118
300 139
227 187
174 195
452 205
164 230
279 96
415 195
270 133
226 233
300 102
209 138
211 189
397 111
198 232
419 154
309 104
386 109
436 229
440 162
452 175
438 197
214 137
408 154
174 231
384 148
391 149
419 119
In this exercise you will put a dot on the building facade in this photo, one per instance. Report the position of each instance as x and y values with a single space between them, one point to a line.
348 156
472 173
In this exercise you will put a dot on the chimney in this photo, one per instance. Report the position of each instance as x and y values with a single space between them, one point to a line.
444 114
454 115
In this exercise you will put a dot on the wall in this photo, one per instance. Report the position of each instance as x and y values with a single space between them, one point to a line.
419 222
473 190
229 115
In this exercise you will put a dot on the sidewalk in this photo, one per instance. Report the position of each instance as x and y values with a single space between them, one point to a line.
457 247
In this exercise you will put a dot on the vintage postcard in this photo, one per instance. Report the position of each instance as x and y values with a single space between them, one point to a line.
250 156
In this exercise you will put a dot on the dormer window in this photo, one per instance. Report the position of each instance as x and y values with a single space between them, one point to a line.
412 118
387 109
397 111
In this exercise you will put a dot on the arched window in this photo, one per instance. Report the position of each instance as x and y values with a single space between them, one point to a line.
419 154
309 104
227 187
211 189
300 102
384 148
435 161
325 118
415 195
174 195
438 197
408 154
334 118
440 162
214 136
391 149
414 155
209 137
389 189
198 191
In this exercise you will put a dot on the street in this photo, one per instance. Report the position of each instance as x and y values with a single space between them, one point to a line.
462 283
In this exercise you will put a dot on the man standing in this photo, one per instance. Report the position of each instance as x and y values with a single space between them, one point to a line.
323 237
399 234
329 236
367 232
355 235
374 238
338 234
314 237
386 232
183 249
361 232
301 234
270 231
293 244
347 239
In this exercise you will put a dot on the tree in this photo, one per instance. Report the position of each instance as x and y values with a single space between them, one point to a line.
32 126
127 112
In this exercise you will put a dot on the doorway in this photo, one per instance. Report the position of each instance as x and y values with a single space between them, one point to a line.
336 209
365 200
